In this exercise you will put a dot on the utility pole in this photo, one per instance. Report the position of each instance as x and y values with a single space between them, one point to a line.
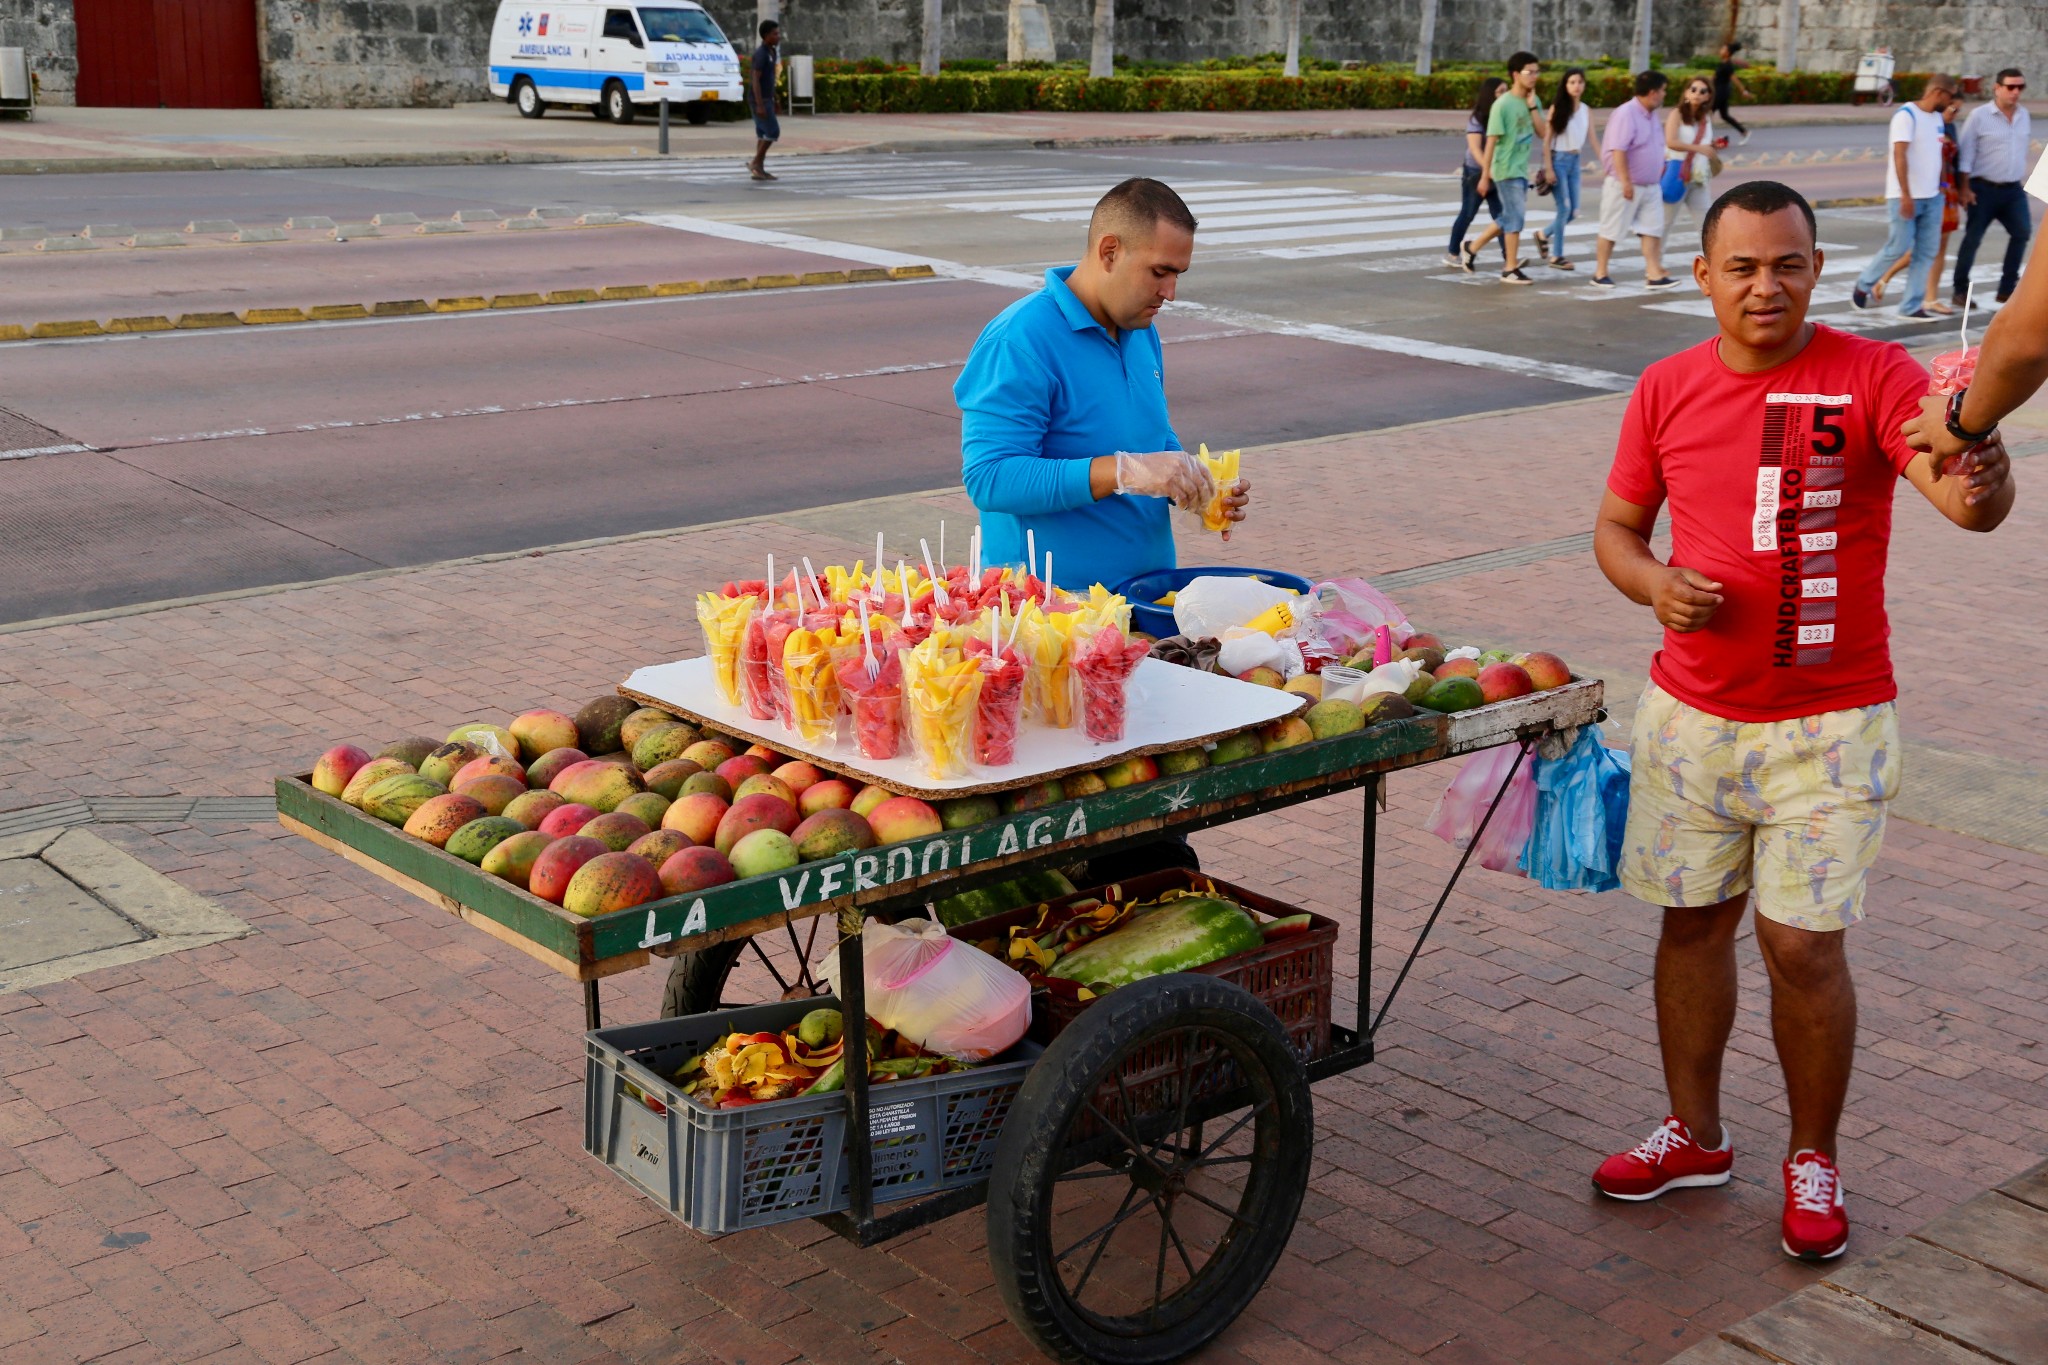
1425 38
1102 50
1293 38
764 10
928 61
1528 43
1639 52
1788 35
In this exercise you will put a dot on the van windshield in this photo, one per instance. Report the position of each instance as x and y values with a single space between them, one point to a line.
680 26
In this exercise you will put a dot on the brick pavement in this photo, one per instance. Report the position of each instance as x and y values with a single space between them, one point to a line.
355 1134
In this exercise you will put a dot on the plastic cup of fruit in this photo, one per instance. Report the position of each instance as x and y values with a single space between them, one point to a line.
1953 370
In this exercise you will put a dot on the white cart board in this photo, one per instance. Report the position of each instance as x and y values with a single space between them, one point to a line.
1170 708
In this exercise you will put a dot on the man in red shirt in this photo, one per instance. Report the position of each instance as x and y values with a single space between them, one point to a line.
1766 746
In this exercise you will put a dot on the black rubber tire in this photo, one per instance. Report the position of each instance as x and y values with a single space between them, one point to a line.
1031 1154
526 99
697 981
697 114
616 103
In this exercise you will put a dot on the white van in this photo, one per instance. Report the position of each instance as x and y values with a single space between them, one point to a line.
612 57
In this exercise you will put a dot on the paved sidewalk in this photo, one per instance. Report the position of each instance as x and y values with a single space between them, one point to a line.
355 1134
72 139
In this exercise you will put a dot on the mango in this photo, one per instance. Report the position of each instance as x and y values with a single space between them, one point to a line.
705 784
763 851
494 791
751 813
1231 748
765 784
666 779
1183 761
740 767
540 731
1077 785
530 808
487 738
831 832
1545 670
438 817
1328 719
558 863
1285 733
696 814
867 798
597 724
486 764
1033 797
611 882
649 806
333 769
616 830
566 819
902 817
1457 668
447 760
1385 706
369 775
660 743
410 752
966 812
513 859
660 845
1454 694
544 770
474 841
596 784
694 869
1128 772
834 793
1500 681
395 798
799 776
636 726
708 753
1308 685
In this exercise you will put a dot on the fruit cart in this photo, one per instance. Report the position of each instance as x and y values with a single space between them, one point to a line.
1142 1176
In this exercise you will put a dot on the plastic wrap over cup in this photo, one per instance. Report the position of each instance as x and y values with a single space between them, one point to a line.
940 712
813 692
1953 371
998 711
876 707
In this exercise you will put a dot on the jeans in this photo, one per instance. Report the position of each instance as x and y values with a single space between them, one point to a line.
1514 203
2007 206
1566 164
1469 209
1722 112
1920 234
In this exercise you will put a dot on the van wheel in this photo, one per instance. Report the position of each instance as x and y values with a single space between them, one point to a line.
697 114
527 99
617 104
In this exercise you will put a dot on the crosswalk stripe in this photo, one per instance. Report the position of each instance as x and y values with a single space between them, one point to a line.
1233 213
1083 200
1048 195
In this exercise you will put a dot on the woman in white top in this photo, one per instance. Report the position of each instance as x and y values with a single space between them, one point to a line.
1571 126
1689 140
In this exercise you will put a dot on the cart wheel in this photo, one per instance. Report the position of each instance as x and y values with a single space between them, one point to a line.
775 965
1150 1173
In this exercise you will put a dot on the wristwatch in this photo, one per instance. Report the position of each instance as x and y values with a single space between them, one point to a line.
1955 425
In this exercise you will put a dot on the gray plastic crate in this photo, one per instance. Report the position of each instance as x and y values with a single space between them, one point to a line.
720 1170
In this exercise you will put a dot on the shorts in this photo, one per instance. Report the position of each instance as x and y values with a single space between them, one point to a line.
767 127
1514 203
1621 218
1792 808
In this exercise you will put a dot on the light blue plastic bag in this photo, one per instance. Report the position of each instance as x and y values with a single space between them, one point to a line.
1581 812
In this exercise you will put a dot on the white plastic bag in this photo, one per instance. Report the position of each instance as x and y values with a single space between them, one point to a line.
1210 605
940 993
1243 650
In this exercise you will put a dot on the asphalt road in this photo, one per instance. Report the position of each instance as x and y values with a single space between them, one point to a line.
207 461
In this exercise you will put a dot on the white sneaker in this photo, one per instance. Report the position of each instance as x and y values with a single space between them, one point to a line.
1745 139
1454 262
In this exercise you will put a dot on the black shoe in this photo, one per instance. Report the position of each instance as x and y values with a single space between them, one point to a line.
2003 295
1668 282
1859 298
1601 282
1515 276
1471 265
1917 315
1957 300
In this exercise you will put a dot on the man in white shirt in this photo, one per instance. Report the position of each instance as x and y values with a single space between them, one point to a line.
1912 191
1991 153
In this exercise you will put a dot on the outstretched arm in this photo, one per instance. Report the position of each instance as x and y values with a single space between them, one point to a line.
2011 368
1978 494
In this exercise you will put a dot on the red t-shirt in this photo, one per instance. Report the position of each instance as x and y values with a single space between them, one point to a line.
1780 485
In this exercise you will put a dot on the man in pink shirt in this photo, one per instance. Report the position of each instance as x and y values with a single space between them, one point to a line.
1631 200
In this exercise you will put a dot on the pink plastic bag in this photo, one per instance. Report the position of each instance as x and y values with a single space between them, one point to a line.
939 992
1463 805
1349 612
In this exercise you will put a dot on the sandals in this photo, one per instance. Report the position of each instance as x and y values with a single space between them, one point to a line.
1542 242
1560 263
1471 265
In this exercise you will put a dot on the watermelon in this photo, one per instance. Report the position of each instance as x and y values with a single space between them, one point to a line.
1174 937
999 898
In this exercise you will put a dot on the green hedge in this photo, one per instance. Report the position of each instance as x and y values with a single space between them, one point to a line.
958 92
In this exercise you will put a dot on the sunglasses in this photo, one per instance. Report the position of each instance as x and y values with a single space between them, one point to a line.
2010 86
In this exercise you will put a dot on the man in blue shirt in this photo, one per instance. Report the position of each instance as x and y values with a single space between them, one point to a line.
1064 429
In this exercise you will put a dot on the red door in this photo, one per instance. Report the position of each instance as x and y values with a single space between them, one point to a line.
173 54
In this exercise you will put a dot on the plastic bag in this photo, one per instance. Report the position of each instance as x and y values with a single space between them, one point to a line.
1459 811
1581 815
1213 604
942 994
1348 611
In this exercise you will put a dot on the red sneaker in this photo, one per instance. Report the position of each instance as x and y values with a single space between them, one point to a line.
1815 1228
1667 1159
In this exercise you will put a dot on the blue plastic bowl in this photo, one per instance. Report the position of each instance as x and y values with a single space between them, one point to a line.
1146 589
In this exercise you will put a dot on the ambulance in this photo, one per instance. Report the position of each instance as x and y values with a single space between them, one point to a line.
612 58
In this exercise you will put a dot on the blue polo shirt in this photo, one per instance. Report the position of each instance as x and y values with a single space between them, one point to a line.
1045 391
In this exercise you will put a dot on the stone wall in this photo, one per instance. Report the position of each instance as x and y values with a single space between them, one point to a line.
359 53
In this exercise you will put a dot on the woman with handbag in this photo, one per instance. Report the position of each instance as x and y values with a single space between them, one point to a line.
1571 129
1689 147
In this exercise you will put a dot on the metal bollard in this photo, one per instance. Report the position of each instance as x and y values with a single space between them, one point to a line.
664 127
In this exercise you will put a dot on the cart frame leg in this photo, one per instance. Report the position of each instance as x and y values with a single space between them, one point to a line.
593 1015
853 1008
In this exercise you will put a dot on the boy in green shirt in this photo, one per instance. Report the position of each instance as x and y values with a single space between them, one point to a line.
1512 132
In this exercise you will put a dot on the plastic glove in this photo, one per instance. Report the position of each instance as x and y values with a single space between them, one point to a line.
1175 475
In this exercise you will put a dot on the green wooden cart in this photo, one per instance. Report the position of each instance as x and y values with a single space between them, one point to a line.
1123 1227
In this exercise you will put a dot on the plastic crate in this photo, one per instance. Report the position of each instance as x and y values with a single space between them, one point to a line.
1291 976
726 1169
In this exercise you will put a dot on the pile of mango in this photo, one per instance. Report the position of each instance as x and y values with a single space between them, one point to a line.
755 1068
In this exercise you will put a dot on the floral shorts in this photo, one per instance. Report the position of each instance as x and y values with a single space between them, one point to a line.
1792 808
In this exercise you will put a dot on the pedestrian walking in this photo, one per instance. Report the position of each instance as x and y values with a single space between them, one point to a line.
1629 200
761 89
1766 746
1991 161
1516 132
1912 195
1468 179
1726 83
1571 130
1951 209
1689 160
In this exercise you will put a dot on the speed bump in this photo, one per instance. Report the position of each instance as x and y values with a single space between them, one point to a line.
263 317
468 304
911 272
336 312
728 285
83 328
678 288
517 301
399 308
626 291
188 322
572 296
867 274
13 331
824 277
148 324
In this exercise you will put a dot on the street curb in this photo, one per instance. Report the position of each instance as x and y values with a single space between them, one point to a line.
323 160
350 312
